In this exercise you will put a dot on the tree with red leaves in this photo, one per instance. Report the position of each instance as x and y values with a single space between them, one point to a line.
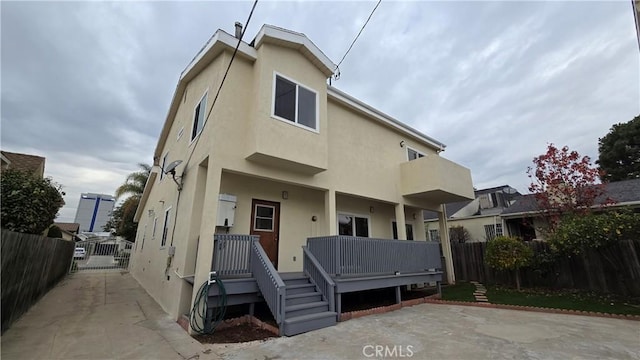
564 183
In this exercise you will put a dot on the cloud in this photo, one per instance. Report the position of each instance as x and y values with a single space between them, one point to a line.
88 84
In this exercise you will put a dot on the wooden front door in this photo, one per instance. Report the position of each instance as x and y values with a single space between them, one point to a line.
265 222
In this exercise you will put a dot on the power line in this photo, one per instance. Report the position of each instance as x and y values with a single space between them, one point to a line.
235 51
357 36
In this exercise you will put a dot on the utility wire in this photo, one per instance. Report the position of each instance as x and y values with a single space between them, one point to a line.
235 51
356 38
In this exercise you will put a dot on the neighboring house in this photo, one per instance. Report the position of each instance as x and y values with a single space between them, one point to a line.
28 163
523 219
284 156
94 211
69 230
480 216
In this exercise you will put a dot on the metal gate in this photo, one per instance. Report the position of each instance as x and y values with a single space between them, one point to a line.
102 254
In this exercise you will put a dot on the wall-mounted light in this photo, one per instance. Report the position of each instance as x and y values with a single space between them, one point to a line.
314 218
402 143
371 209
415 216
285 195
151 213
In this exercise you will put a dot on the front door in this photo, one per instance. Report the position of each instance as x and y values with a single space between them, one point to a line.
265 222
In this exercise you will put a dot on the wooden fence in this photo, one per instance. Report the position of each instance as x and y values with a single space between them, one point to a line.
31 265
614 270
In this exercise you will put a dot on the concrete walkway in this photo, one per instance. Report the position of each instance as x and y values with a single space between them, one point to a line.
432 331
99 315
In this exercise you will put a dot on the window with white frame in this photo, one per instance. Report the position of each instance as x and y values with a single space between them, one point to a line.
492 231
413 154
352 225
295 103
153 231
408 227
434 235
199 117
264 217
164 164
165 228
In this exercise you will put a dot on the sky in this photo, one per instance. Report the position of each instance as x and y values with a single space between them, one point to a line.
88 84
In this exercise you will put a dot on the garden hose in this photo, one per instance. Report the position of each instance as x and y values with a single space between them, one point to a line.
200 321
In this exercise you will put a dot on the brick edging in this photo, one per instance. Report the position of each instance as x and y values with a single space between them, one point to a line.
435 300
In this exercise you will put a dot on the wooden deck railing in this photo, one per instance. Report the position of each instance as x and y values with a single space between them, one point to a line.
232 254
269 282
320 278
357 256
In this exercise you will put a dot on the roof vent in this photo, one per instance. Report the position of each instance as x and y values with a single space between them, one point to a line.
238 29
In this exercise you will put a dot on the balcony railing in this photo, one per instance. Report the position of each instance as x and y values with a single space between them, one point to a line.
357 256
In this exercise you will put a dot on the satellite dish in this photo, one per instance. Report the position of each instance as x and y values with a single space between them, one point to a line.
509 190
171 168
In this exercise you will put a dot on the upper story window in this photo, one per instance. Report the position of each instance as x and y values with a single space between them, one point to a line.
295 103
413 154
164 163
199 117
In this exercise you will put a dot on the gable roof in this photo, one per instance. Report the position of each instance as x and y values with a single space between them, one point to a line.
453 208
23 162
626 192
450 208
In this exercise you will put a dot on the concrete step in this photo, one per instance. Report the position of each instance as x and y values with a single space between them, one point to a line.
306 309
304 298
300 324
300 289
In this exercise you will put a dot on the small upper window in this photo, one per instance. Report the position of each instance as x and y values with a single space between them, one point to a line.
199 117
164 163
295 103
413 154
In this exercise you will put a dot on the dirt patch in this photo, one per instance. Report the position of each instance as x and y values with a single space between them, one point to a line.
236 334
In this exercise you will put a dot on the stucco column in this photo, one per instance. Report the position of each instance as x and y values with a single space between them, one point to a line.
400 222
207 227
330 212
446 244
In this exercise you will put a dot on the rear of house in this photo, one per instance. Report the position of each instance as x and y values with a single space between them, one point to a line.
282 156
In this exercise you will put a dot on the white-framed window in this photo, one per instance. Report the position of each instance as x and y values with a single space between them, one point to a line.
492 231
434 235
408 227
164 164
165 227
263 218
199 117
353 225
155 225
413 154
294 103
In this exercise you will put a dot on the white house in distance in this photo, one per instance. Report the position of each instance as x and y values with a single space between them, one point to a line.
282 155
94 211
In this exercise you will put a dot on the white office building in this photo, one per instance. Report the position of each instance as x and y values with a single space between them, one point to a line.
94 211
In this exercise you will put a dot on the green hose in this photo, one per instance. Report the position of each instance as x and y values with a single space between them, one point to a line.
199 320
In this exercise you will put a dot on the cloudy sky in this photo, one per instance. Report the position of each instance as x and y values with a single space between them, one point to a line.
88 84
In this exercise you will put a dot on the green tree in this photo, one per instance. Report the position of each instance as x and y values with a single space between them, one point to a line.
29 203
121 221
508 254
620 151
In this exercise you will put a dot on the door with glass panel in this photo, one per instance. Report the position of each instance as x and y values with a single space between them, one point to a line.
265 222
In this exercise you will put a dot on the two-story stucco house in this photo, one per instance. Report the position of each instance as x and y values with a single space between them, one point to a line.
281 155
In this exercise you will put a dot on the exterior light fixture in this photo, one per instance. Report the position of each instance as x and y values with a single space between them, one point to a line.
285 195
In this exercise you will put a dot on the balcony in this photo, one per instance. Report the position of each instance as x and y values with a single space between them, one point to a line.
436 179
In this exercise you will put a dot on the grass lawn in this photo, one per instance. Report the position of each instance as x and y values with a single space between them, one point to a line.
462 291
563 299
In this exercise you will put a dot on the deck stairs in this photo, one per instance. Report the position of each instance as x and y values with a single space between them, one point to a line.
305 307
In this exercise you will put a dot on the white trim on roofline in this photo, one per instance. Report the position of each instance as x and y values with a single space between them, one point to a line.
382 117
295 38
222 37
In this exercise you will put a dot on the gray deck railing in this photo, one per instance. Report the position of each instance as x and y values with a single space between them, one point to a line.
269 281
322 280
349 255
232 254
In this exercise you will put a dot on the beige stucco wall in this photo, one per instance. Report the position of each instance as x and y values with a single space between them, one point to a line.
362 159
474 225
